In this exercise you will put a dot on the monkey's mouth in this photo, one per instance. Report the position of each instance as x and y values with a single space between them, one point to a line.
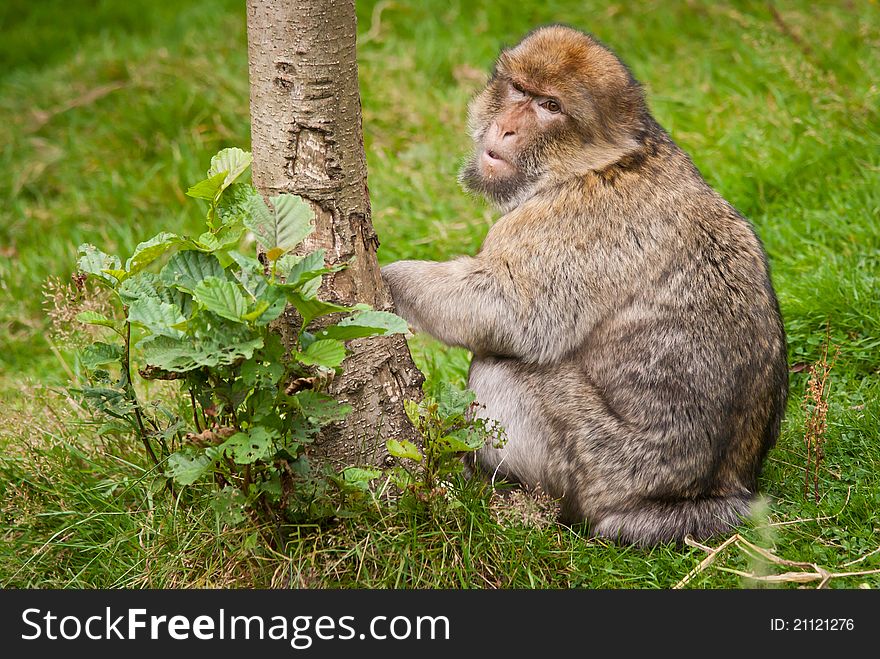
493 164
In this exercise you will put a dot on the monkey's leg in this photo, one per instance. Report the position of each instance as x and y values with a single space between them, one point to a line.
631 484
518 453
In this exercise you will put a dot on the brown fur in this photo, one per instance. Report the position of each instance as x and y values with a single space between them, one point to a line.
624 328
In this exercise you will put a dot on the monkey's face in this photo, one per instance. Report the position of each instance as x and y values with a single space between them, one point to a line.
559 104
515 127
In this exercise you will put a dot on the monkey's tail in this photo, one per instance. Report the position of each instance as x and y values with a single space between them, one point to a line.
651 522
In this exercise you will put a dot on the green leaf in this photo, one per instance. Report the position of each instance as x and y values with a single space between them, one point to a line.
404 449
260 220
452 401
320 408
246 448
157 316
143 284
186 470
93 261
367 323
325 352
284 226
277 304
293 220
463 440
360 474
118 275
229 505
251 275
148 251
181 356
255 374
186 269
359 478
209 188
233 161
413 412
221 296
311 308
100 353
95 318
226 238
257 311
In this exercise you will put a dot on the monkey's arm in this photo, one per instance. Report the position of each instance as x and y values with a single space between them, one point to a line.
460 302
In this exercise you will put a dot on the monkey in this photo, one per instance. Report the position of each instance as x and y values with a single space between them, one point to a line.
624 329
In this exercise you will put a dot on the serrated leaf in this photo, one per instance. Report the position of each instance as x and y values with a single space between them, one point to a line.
367 323
143 284
310 288
100 353
320 408
226 238
462 441
284 226
258 443
181 356
293 220
325 352
297 270
186 269
95 318
404 449
359 478
209 188
277 304
311 308
260 220
148 251
255 374
229 505
222 297
453 402
186 470
233 161
360 474
157 316
93 261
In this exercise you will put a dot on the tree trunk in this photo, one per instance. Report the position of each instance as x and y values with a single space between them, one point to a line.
307 140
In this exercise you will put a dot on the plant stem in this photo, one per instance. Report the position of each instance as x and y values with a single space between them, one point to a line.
192 398
130 392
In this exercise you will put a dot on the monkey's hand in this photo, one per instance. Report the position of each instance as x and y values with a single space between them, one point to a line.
399 277
459 302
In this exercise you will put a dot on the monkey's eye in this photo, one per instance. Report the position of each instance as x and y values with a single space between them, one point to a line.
551 106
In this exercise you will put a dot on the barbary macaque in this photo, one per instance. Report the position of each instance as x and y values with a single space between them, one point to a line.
624 329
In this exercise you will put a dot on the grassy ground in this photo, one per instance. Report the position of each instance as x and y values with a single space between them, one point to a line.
108 109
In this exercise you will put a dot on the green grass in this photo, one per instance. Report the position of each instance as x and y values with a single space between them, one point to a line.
109 109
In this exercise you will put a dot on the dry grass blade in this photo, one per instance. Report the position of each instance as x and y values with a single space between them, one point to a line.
706 562
819 573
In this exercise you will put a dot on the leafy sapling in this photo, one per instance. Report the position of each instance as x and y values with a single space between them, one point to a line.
450 432
198 311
